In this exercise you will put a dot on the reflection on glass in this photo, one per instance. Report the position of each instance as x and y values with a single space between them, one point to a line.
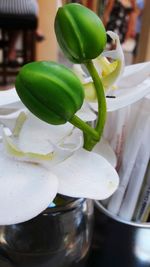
142 245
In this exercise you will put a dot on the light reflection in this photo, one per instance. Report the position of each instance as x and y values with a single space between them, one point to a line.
2 236
142 245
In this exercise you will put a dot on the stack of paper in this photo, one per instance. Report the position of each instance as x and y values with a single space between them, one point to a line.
130 132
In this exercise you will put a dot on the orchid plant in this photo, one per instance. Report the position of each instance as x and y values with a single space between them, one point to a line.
50 147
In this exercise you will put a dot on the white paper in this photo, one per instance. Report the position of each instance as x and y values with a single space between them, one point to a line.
136 126
144 198
137 176
116 130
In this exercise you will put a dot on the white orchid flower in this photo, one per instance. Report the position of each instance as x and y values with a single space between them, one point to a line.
123 85
133 86
109 72
38 160
11 107
11 103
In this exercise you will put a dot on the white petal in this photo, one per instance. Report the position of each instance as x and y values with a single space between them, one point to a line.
125 97
86 174
94 106
104 149
71 142
110 79
77 69
7 109
134 75
89 90
65 148
31 141
109 71
38 136
9 98
117 53
13 151
148 96
86 114
9 120
1 133
128 96
26 190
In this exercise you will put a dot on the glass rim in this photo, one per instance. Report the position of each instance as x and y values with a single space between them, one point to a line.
69 205
119 219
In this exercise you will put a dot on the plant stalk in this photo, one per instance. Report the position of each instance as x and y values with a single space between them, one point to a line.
88 144
93 135
87 129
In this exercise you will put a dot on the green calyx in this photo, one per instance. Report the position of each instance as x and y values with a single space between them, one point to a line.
51 91
80 33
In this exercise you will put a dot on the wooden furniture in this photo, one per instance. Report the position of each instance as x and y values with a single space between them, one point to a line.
26 53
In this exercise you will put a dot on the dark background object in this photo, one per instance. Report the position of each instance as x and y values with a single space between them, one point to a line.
27 25
119 244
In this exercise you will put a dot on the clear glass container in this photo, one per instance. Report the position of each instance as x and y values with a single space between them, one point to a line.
58 237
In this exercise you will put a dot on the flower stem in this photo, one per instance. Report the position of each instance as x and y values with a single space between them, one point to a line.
101 101
87 129
93 135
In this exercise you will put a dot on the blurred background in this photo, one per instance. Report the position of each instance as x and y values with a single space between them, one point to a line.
27 31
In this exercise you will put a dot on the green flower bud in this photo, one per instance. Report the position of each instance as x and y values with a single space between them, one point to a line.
50 91
80 33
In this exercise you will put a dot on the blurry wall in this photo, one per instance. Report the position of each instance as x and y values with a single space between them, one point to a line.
144 42
47 50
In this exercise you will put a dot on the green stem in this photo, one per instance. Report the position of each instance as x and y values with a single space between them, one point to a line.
101 102
87 129
93 135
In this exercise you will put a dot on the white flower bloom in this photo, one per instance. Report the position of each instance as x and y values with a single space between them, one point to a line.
38 160
110 72
133 86
9 101
123 86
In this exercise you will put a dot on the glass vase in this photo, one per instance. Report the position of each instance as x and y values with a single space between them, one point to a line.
58 237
